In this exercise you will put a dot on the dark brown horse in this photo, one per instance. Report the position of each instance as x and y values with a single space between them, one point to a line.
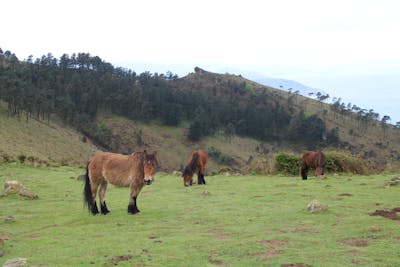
312 159
197 164
135 171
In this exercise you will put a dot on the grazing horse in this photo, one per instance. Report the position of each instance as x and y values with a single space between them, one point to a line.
197 164
312 159
135 171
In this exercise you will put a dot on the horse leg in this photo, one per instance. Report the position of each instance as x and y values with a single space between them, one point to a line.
93 206
132 207
102 196
304 170
200 178
200 175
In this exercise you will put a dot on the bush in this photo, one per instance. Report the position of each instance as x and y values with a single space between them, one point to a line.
288 163
219 156
343 162
21 158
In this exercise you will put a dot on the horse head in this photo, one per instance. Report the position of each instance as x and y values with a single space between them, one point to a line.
187 176
150 166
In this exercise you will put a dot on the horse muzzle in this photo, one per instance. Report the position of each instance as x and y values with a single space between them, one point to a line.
148 181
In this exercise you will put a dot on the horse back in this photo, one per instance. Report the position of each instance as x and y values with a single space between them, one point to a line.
203 156
313 159
115 168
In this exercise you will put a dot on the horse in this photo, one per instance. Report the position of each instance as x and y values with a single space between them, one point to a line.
312 159
197 164
135 171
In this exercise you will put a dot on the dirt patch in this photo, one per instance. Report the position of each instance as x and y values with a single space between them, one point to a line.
355 242
212 260
305 229
374 229
389 214
220 234
353 252
345 195
117 259
5 236
272 247
296 265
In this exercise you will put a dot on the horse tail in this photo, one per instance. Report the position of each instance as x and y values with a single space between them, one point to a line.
87 192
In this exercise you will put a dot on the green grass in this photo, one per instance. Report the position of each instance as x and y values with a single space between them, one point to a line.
242 221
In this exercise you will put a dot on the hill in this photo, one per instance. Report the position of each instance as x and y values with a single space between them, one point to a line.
242 124
40 143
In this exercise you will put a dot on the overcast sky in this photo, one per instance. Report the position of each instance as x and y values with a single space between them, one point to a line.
347 48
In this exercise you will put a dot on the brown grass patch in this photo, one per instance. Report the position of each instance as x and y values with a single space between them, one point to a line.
355 242
272 246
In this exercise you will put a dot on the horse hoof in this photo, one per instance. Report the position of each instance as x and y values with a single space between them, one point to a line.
135 213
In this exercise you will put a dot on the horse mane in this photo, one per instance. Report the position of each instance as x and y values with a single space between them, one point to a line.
192 165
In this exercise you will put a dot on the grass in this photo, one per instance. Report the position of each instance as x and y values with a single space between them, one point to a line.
50 143
234 221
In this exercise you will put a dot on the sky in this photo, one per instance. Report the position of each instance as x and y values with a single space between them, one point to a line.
347 48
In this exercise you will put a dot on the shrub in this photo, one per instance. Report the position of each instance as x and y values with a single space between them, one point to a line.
288 163
21 158
219 156
344 162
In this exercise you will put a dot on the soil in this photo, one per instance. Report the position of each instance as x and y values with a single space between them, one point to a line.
116 259
345 195
272 247
389 214
355 242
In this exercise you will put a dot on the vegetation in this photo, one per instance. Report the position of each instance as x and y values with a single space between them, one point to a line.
233 221
77 87
336 162
83 93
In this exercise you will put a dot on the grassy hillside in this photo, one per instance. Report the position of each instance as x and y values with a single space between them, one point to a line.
55 143
376 142
39 143
232 221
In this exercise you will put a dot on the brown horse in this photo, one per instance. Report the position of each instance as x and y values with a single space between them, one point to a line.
312 159
135 171
197 164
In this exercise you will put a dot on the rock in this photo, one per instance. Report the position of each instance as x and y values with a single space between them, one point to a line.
13 187
10 219
15 262
316 206
205 193
25 193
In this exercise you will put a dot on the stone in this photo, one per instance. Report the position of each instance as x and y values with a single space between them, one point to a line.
15 262
13 187
316 206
